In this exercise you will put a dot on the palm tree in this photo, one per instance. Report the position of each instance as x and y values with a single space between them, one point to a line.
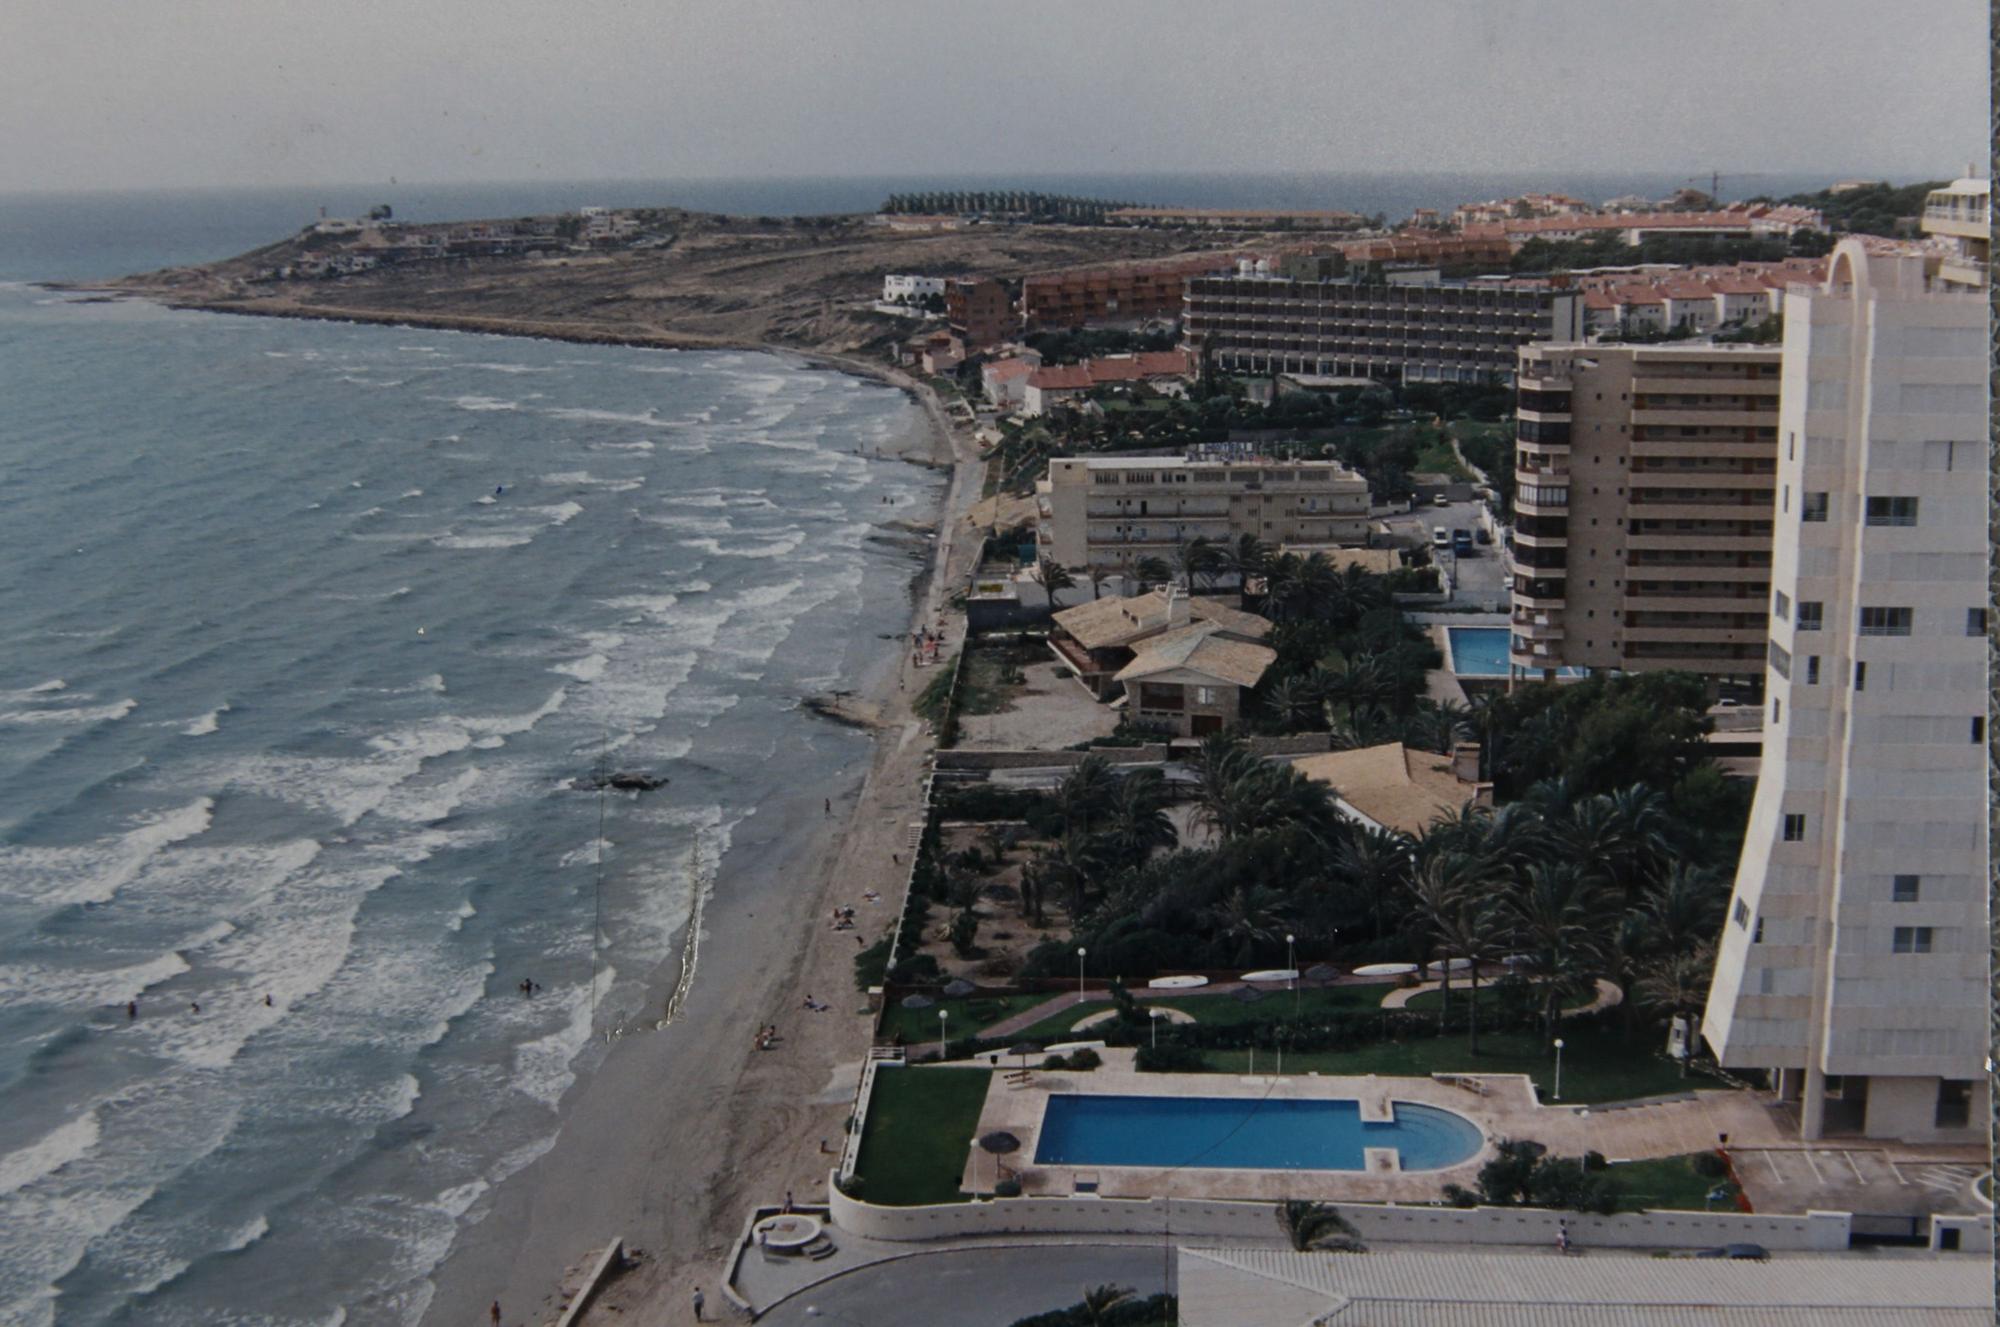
1098 1301
1438 725
1138 818
1086 794
1251 915
1558 916
1054 577
1375 865
1309 1226
1292 701
1193 560
1153 571
1248 558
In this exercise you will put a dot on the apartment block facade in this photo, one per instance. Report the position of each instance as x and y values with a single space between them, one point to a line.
1643 506
979 311
1961 213
1853 963
1126 292
1443 332
1109 512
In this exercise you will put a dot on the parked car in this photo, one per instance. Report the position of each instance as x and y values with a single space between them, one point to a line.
1749 1252
1440 537
1461 542
1440 500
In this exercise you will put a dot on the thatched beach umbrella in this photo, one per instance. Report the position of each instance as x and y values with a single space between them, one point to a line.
958 988
1024 1050
918 1001
997 1144
1322 973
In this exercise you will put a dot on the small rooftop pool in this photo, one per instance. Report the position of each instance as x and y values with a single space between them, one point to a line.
1482 652
1245 1133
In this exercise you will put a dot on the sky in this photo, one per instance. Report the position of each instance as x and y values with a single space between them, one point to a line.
196 93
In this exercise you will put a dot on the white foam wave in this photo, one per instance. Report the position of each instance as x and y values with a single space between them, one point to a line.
585 479
640 446
562 513
542 1066
72 714
584 414
31 695
515 539
775 547
24 985
590 854
482 404
49 1153
587 669
650 605
414 493
207 723
510 368
466 912
431 803
94 872
485 501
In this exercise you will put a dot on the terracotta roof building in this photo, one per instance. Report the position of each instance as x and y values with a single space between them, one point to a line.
1399 787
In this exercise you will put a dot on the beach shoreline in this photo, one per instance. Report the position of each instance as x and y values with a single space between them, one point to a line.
675 1132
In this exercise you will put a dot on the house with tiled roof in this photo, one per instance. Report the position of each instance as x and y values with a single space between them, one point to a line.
1190 681
1053 384
1095 641
1397 787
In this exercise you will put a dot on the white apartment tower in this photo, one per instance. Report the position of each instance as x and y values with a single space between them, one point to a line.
1852 964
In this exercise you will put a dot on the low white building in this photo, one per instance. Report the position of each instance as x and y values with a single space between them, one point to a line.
911 289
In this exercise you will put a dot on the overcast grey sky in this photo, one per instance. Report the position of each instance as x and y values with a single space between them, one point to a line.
142 93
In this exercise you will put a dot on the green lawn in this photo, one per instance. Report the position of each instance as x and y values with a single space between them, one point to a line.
920 1126
1596 1066
968 1016
1221 1011
1669 1182
1437 457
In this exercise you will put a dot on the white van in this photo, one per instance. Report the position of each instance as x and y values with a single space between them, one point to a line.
1440 537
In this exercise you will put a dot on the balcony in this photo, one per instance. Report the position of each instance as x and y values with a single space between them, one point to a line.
1532 378
1545 627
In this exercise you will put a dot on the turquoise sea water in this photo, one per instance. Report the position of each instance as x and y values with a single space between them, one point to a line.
1244 1133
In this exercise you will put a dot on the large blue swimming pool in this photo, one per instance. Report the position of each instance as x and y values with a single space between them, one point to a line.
1244 1133
1482 652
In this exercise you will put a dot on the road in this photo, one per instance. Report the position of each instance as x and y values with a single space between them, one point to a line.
972 1287
1481 579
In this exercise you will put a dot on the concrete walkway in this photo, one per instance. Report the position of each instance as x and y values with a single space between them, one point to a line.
1027 1018
1608 995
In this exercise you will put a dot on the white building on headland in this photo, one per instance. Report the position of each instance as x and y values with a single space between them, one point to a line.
913 289
1853 962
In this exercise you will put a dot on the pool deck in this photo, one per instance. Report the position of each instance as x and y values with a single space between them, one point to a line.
1505 1108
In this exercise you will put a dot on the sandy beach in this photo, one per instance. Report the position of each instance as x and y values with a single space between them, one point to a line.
671 1139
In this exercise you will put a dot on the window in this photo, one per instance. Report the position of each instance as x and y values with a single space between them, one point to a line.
1777 709
1781 605
1954 1104
1208 695
1811 613
1892 511
1904 888
1975 622
1911 940
1860 675
1781 661
1812 507
1795 827
1812 670
1742 913
1978 729
1886 621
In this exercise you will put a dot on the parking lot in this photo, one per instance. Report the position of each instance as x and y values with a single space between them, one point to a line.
1479 580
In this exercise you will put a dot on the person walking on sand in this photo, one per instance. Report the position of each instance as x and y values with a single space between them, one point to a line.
700 1302
496 1313
829 806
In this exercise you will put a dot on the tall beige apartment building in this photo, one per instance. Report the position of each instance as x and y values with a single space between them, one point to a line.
1643 496
1962 214
1108 512
1853 964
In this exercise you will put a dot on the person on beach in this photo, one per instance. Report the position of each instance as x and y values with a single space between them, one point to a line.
131 1010
495 1314
1562 1237
829 806
700 1302
194 1006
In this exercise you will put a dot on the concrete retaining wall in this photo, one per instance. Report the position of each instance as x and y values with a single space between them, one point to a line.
1151 754
1198 1218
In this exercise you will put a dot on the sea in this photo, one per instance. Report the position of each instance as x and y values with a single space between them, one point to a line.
315 635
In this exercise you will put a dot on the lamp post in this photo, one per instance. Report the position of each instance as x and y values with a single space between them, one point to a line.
1292 966
1155 1015
1559 1069
944 1015
1080 952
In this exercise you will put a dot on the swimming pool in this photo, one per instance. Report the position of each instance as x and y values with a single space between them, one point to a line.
1482 652
1244 1133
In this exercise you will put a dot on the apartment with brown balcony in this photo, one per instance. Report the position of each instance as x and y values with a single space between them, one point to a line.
1643 506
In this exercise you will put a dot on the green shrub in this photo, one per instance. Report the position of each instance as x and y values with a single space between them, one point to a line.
871 965
1007 1189
1085 1059
915 969
1172 1058
1710 1165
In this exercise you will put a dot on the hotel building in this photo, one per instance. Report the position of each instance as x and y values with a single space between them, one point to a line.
1962 213
1108 512
1853 963
1252 322
1643 495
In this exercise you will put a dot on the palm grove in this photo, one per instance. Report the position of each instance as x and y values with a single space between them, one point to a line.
1608 857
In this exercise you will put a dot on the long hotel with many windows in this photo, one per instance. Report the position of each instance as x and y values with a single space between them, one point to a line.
1642 508
1853 963
1253 322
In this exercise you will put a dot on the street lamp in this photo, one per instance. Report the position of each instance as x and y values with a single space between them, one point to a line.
1292 965
1559 1069
1080 952
943 1016
1155 1015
